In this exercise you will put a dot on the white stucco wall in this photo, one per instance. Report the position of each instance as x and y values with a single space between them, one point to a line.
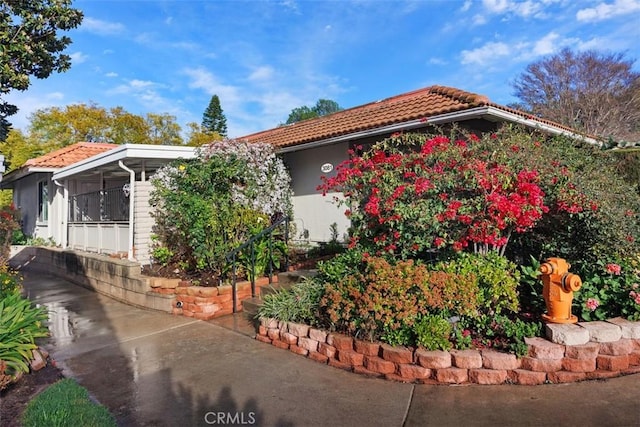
311 210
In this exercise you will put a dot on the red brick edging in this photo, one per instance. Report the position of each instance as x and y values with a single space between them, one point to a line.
546 362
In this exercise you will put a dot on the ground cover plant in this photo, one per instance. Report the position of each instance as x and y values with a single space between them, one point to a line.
208 206
66 403
448 232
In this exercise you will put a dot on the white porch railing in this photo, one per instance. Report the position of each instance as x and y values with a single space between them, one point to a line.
99 221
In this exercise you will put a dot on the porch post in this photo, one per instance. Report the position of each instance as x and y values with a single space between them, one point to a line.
132 192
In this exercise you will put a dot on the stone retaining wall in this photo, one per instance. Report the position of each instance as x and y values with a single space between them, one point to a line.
119 279
206 303
546 361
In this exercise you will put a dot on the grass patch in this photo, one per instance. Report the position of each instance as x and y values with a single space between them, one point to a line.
66 403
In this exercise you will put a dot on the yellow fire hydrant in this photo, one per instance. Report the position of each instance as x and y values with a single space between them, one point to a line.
557 290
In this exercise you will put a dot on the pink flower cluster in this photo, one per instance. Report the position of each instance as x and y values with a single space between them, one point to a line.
592 304
635 296
613 269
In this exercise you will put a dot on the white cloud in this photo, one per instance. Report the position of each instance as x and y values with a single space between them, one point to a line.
466 6
437 61
98 26
479 19
486 53
496 6
608 10
546 45
203 79
111 74
78 58
524 9
261 73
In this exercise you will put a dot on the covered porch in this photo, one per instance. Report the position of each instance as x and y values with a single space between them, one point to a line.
106 200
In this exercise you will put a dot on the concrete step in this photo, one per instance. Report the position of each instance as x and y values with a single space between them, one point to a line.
250 306
295 276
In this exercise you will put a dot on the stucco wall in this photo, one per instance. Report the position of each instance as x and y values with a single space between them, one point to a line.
311 210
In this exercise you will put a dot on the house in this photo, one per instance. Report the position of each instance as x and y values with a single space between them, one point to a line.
314 147
34 191
91 196
95 197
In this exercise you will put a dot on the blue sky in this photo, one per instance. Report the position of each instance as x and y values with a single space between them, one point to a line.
264 58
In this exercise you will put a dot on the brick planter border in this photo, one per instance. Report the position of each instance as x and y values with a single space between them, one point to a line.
546 361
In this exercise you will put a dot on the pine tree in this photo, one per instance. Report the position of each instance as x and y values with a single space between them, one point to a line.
213 119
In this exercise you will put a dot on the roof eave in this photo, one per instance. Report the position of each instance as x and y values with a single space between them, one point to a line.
123 152
487 112
22 172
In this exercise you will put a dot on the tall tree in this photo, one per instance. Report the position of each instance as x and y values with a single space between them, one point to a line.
30 45
322 108
197 137
597 93
163 129
213 119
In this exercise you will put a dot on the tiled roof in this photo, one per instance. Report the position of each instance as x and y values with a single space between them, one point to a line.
416 105
69 155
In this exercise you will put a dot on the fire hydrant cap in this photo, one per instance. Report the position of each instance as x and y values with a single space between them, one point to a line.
572 282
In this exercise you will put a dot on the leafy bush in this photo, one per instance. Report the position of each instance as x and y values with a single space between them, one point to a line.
65 403
609 290
499 332
416 194
207 206
385 300
20 325
299 304
9 224
497 280
9 282
433 333
530 288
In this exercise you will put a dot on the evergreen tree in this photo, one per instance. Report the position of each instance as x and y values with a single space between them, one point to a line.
213 119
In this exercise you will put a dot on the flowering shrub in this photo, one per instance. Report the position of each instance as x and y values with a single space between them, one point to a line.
386 300
208 206
9 223
610 290
411 194
264 184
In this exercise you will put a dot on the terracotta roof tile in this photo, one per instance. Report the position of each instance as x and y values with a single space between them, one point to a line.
69 155
415 105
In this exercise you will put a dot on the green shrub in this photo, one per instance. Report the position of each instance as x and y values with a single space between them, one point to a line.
65 403
497 280
9 282
433 333
299 304
210 205
609 289
530 288
340 266
499 332
385 300
20 325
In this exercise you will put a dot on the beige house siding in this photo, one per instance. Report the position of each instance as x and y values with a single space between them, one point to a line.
143 222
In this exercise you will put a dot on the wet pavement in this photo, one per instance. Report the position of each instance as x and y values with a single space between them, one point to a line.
151 368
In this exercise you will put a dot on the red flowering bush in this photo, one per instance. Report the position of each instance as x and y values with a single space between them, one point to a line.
411 194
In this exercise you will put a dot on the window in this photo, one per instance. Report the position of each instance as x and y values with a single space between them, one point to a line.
43 201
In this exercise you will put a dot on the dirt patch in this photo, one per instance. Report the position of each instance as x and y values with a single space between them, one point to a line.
14 399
